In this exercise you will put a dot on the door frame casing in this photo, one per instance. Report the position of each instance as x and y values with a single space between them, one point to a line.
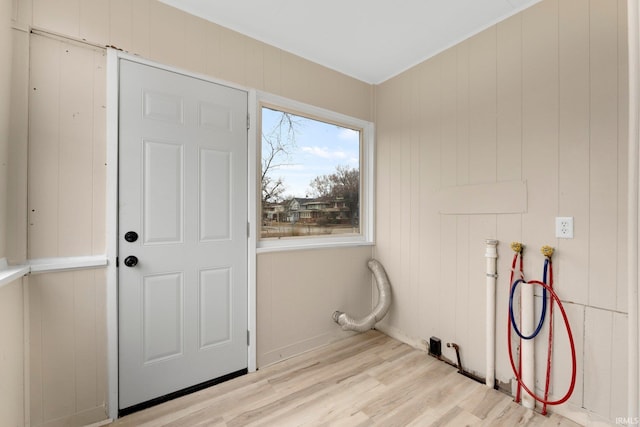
112 134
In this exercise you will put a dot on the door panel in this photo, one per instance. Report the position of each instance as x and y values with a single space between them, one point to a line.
162 187
215 317
215 195
163 321
183 189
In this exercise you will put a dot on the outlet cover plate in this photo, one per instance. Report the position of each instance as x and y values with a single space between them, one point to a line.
564 227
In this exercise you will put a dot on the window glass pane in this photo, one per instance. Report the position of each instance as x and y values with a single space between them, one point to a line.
310 177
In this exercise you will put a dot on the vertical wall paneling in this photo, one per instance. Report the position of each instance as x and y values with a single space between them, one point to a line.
272 70
85 341
525 101
296 298
75 151
482 107
254 58
99 152
44 132
140 27
22 12
430 172
166 34
67 184
392 264
561 363
68 361
573 153
404 213
619 366
509 99
540 126
232 49
508 229
604 153
462 103
57 358
35 353
92 23
61 16
449 124
195 46
465 310
623 154
414 204
557 88
18 153
67 149
446 290
597 363
6 48
12 356
120 30
508 164
383 186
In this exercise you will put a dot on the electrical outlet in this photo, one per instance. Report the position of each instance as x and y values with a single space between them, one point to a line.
564 227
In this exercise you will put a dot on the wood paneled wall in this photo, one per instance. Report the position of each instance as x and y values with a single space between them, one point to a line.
67 149
12 314
12 355
6 49
297 297
68 354
65 187
540 98
159 32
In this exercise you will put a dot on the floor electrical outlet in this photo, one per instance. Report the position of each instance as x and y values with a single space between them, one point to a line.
564 227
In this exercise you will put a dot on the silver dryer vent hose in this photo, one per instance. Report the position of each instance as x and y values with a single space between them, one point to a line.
380 310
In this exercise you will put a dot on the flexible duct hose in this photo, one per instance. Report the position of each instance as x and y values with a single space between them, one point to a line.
384 301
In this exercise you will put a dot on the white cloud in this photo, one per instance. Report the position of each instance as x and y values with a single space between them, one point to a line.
325 153
349 135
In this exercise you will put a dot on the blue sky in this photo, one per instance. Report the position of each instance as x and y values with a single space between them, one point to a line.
320 147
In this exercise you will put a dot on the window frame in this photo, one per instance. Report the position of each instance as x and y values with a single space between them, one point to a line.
366 167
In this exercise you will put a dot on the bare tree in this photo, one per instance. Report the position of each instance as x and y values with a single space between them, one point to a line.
277 146
342 185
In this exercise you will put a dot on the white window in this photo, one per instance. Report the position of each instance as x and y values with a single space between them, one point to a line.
315 176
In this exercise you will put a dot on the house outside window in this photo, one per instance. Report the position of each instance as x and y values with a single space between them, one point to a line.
316 170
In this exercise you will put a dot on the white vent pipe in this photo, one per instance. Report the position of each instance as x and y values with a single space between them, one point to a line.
384 301
491 255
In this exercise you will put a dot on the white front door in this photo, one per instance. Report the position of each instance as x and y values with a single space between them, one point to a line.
182 248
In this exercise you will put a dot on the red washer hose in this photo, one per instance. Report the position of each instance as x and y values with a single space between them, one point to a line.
517 255
544 400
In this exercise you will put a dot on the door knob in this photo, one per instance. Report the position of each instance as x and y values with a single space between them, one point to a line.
131 261
131 236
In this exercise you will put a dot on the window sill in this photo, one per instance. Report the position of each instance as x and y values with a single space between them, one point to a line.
284 245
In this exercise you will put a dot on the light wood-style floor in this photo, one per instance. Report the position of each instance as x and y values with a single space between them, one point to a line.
365 380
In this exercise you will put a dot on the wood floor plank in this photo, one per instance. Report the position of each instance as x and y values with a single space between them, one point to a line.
367 379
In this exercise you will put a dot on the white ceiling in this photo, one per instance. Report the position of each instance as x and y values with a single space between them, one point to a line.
371 40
